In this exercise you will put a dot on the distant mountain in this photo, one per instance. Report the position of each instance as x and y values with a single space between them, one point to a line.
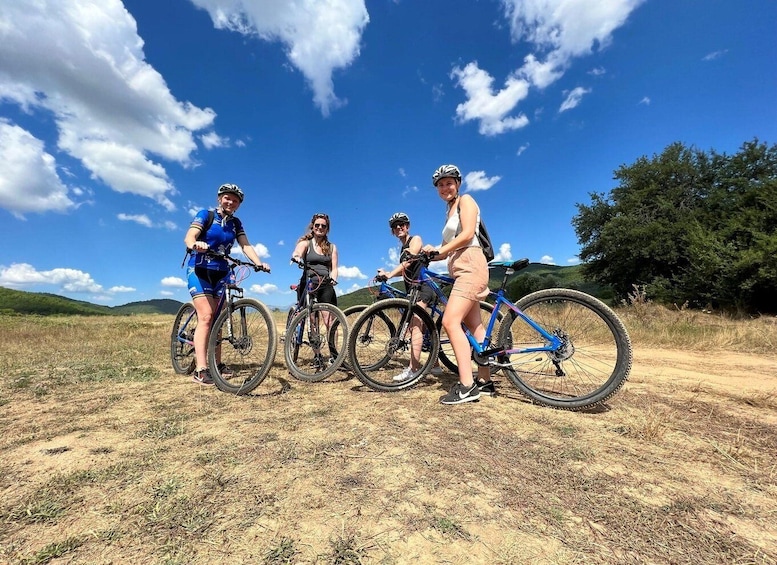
45 304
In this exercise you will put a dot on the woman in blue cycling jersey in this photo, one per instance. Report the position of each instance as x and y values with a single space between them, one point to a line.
207 275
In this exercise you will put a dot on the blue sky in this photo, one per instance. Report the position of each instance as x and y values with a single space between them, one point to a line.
118 121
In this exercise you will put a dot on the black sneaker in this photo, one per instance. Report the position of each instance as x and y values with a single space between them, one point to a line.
460 393
226 371
487 388
203 377
318 362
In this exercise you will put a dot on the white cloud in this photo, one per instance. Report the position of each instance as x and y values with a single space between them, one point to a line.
263 288
573 98
350 273
112 110
212 139
714 55
522 148
29 181
71 280
490 109
173 282
505 253
645 100
320 37
141 219
573 260
121 289
477 180
557 32
547 260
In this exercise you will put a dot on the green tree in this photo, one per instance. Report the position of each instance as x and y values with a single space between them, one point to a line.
692 226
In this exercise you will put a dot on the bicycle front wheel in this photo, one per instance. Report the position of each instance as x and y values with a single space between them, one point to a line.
182 340
592 363
312 352
386 346
242 346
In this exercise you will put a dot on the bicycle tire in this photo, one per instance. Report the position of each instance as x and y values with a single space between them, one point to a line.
447 357
296 336
300 354
387 353
182 353
351 314
589 368
249 351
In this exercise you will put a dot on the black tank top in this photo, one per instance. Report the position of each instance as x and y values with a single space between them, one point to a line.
413 270
318 264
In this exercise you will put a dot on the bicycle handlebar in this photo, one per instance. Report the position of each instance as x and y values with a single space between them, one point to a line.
235 262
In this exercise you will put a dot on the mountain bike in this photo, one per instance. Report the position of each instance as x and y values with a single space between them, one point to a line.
560 347
313 351
243 339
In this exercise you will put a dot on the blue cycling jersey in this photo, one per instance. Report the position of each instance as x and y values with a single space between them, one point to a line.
220 237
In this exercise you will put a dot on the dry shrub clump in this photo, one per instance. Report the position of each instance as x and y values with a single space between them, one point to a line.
680 327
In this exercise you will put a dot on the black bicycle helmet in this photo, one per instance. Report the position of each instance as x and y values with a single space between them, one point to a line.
231 189
445 171
398 218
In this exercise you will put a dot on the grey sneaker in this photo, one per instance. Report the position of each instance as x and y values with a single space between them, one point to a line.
460 394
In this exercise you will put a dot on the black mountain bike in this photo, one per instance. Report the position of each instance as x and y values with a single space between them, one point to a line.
311 350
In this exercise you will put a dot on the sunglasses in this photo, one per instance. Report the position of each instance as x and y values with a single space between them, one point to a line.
402 225
319 225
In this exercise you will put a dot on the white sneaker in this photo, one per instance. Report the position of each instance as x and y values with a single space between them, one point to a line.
436 371
403 376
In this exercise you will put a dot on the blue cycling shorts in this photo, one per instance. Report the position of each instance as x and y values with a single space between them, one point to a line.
206 282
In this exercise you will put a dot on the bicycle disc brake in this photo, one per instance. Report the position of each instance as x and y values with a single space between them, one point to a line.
563 352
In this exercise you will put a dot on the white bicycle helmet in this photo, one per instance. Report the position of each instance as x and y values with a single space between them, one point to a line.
446 171
398 218
231 189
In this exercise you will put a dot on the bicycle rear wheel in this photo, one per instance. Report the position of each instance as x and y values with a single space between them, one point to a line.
380 345
592 363
182 340
312 352
247 338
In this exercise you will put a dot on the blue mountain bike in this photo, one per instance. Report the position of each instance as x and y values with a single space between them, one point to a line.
560 347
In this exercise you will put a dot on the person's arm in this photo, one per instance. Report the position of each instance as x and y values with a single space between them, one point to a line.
190 239
299 249
333 271
250 252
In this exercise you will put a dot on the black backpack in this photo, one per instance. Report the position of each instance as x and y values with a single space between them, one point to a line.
483 238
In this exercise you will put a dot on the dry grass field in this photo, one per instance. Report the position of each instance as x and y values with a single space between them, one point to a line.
107 456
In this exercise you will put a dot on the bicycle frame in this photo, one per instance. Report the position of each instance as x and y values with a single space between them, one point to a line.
431 278
230 293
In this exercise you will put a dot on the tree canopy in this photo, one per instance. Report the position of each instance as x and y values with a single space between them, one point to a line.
691 226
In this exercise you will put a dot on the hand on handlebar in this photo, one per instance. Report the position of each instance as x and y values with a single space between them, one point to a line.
381 278
263 267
